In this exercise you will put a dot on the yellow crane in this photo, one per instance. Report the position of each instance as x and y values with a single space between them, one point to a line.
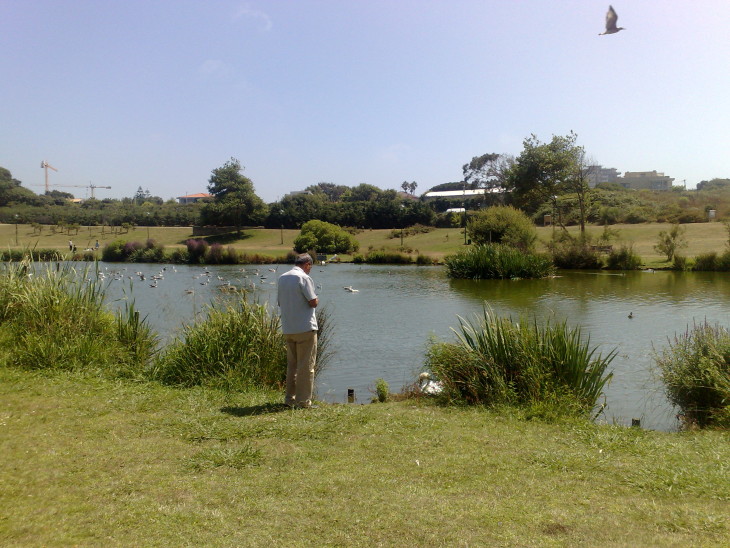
45 165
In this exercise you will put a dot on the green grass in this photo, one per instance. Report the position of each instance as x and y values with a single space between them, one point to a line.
701 237
93 462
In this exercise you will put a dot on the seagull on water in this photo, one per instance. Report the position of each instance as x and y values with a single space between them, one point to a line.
611 19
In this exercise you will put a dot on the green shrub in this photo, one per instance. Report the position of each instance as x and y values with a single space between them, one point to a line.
387 257
502 224
481 262
382 390
574 253
623 258
498 361
695 369
706 262
325 238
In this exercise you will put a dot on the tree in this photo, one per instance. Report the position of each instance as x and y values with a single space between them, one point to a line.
486 171
409 187
12 191
671 242
234 200
545 171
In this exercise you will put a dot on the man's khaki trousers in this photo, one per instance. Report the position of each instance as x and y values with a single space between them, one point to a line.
301 355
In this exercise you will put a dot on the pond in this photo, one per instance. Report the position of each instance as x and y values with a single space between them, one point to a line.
383 329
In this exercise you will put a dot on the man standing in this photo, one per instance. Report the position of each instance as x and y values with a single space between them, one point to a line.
297 301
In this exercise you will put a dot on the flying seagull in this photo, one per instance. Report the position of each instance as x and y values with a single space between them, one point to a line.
611 19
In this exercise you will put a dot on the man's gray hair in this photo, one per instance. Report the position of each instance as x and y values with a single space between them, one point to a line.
304 258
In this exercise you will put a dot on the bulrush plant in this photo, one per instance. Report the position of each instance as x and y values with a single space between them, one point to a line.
236 346
695 369
498 361
500 261
239 346
54 317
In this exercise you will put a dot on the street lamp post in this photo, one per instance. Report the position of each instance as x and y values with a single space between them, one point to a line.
148 225
281 212
16 229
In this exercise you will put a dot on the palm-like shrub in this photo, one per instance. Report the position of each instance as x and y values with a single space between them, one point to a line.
499 361
695 369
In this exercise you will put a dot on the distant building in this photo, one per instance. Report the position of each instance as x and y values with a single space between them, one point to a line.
645 180
192 198
458 193
600 174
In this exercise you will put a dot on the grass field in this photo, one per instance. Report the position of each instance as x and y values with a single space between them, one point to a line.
701 238
89 462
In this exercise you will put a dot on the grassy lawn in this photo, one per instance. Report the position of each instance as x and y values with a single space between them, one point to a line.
701 238
93 462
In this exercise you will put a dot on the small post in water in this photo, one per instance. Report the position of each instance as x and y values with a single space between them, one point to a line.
350 395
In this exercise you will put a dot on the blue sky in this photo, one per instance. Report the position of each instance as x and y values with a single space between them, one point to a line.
159 93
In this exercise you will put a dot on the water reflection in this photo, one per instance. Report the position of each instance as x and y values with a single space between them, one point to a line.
382 330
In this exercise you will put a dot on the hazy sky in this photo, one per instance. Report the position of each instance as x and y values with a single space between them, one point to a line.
157 94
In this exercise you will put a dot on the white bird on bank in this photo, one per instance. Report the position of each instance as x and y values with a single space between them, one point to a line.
428 385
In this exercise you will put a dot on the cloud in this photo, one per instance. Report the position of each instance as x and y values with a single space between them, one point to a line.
247 11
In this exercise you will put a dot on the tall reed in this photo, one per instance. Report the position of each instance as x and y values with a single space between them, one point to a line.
695 369
489 261
499 361
53 317
238 345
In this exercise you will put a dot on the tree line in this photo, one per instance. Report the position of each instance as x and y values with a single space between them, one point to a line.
546 178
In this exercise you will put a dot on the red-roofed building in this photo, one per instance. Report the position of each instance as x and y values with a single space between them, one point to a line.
192 198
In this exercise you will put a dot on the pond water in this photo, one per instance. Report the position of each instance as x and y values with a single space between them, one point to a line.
382 330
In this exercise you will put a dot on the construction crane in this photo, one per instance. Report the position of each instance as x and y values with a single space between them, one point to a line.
45 165
92 187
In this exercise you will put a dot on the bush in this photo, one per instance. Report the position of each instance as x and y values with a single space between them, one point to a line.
387 257
695 370
382 390
482 262
502 224
623 258
498 361
325 238
574 253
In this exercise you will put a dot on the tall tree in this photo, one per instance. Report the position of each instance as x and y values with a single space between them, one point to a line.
234 200
543 172
486 171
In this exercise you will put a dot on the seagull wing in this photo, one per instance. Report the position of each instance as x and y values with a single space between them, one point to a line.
611 19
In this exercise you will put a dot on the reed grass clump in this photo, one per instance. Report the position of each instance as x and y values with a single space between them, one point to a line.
623 258
236 346
497 361
489 261
379 256
55 318
695 369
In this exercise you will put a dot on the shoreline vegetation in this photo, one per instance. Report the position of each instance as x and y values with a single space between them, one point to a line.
109 439
703 240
